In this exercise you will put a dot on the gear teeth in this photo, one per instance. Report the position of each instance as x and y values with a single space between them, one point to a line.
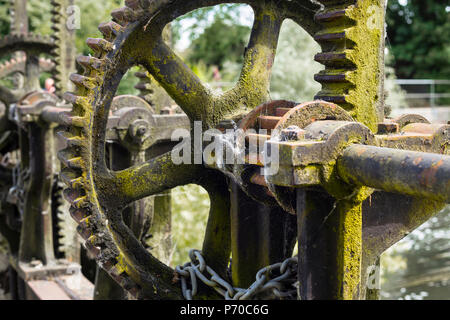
91 63
77 200
95 241
99 46
77 100
141 75
72 98
334 59
76 174
83 82
124 15
91 246
133 4
70 120
78 214
347 43
333 76
71 179
330 36
93 250
63 53
84 228
329 97
23 42
119 274
143 86
110 30
81 202
68 239
70 139
70 160
330 15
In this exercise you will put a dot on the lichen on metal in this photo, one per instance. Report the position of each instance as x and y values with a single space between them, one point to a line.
313 181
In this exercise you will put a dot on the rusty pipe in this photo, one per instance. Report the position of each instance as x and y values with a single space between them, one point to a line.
399 171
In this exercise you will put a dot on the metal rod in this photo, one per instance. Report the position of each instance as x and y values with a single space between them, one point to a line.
55 115
407 172
36 239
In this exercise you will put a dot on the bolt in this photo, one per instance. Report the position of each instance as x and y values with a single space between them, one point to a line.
36 263
141 131
225 125
388 127
167 110
292 133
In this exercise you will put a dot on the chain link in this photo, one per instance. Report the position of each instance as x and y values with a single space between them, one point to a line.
277 281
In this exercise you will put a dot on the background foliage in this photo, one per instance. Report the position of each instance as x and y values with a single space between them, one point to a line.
419 37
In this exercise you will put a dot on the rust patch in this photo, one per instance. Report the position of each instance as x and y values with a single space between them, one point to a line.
417 161
428 176
361 151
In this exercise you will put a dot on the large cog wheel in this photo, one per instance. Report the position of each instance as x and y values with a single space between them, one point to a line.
33 46
19 64
98 195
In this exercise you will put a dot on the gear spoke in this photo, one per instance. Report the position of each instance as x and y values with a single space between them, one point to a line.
178 80
253 86
154 176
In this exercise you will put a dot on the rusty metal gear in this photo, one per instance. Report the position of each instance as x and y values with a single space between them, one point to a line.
26 42
18 65
286 118
98 195
63 53
59 46
352 42
67 240
145 87
33 46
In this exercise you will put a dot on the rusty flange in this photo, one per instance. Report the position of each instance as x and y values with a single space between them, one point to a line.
135 124
30 107
312 159
281 120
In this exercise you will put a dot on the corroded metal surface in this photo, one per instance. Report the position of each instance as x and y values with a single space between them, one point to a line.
132 266
330 211
344 158
415 173
64 52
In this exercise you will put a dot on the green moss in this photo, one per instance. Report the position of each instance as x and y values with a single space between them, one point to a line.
369 74
349 248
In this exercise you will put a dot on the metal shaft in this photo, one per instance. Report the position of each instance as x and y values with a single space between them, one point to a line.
407 172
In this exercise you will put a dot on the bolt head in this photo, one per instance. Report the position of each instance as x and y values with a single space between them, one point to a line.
36 263
388 127
292 133
141 131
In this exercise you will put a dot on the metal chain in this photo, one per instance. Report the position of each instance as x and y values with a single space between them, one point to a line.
277 281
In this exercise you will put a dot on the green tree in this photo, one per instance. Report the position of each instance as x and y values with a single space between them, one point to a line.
4 17
419 37
220 42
